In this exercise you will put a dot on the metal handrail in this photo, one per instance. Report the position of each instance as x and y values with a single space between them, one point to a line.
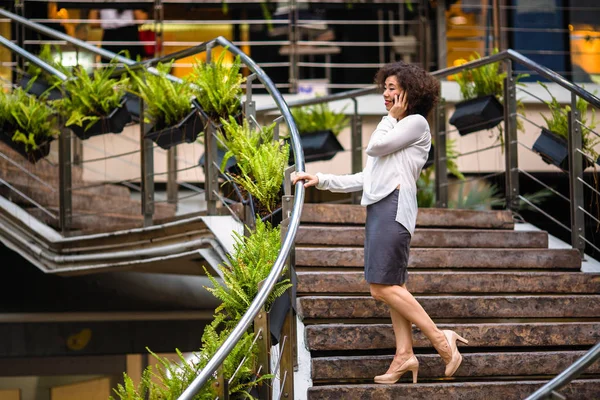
569 374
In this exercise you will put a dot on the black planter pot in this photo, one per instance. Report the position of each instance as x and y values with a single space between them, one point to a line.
112 123
477 114
185 131
32 156
430 158
133 104
279 310
318 146
40 87
552 148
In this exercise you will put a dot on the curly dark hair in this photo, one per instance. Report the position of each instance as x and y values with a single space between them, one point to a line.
422 88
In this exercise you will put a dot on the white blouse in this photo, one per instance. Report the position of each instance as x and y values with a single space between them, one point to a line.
397 152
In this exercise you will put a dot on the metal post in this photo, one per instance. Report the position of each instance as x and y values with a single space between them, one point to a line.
172 175
221 385
211 172
290 327
442 49
293 37
441 168
575 144
65 186
261 328
502 22
496 23
356 147
249 103
510 139
147 165
77 150
159 16
20 32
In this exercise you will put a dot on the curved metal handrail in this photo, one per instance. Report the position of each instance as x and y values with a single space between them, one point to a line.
288 240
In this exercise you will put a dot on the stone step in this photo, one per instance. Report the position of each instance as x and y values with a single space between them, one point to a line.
448 258
579 389
83 201
471 307
457 238
115 191
427 217
352 337
439 282
431 366
90 222
45 172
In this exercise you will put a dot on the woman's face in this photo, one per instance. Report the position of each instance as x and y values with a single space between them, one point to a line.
391 89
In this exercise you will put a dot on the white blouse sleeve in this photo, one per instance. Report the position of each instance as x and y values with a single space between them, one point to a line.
391 136
340 183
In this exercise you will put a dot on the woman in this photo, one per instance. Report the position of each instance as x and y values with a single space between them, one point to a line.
397 151
120 26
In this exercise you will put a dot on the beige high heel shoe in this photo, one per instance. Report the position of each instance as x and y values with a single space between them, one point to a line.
412 364
456 357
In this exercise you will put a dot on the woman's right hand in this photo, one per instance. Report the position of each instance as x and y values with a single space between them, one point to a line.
309 180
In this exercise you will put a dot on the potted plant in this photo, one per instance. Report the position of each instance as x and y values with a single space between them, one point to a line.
482 92
261 162
40 83
28 125
552 144
169 113
318 126
98 107
219 91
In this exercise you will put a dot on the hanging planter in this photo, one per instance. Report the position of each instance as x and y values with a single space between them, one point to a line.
480 113
186 131
33 156
554 150
39 87
133 104
318 146
112 123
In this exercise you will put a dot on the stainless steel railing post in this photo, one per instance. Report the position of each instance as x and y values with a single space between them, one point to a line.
575 144
511 144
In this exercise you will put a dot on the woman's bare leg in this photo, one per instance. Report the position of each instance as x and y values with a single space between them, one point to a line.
403 302
404 344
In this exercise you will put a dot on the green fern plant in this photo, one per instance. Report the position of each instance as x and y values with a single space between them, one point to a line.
45 55
219 86
167 102
250 264
96 96
319 117
31 121
558 122
260 160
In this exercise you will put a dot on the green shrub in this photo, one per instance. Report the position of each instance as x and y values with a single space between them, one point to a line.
93 96
32 121
319 117
219 86
167 102
260 159
558 122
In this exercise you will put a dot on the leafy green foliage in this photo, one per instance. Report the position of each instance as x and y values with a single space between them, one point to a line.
32 121
94 96
249 265
45 55
167 102
558 122
219 85
260 159
319 117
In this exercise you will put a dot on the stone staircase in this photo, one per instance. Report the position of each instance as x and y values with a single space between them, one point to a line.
527 311
104 207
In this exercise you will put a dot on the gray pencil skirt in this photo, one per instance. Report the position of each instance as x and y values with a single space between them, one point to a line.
387 243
